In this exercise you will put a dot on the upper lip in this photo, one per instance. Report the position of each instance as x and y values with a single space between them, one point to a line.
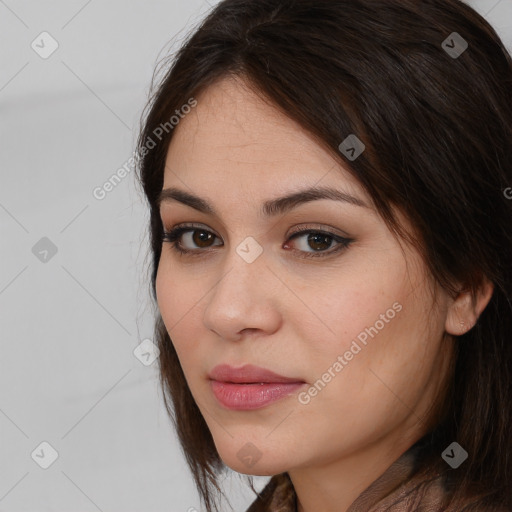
247 374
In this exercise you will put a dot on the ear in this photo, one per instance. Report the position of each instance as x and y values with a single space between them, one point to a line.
466 308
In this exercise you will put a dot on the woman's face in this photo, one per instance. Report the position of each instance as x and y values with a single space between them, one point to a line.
353 328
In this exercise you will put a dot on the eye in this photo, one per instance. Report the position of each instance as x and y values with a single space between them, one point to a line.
201 237
317 240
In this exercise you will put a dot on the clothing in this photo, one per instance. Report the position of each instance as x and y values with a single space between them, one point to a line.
382 495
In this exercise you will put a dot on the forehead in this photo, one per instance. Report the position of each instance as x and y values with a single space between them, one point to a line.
237 138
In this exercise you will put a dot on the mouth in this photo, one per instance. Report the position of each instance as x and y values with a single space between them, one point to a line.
250 387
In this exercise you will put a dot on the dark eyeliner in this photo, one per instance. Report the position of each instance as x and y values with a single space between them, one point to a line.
173 236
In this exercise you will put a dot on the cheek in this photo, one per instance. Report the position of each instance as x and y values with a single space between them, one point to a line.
178 304
175 288
385 355
339 312
376 321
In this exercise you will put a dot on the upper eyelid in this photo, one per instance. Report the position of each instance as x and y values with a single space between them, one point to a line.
312 226
301 229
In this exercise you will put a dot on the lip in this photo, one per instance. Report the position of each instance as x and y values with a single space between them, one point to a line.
247 374
250 387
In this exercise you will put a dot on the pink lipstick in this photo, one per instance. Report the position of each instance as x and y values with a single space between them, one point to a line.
250 387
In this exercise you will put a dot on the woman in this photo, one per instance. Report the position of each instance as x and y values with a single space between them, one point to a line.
331 253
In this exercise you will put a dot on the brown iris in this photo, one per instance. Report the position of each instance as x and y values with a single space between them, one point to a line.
320 239
199 237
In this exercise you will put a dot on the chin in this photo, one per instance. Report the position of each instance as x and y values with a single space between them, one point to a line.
251 458
260 468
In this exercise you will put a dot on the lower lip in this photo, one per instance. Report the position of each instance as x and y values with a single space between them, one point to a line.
251 396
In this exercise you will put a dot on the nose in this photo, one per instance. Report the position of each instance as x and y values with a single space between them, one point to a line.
246 297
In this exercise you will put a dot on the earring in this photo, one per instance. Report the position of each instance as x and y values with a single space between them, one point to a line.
462 327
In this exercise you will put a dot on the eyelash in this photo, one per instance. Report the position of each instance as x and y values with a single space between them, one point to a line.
173 235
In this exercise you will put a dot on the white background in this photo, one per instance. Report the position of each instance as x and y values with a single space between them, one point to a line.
68 375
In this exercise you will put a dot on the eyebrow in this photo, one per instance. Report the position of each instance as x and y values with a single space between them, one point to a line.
271 207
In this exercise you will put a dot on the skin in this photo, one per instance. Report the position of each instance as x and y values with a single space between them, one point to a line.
295 316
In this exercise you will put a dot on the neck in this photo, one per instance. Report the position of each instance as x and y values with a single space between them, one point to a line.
336 486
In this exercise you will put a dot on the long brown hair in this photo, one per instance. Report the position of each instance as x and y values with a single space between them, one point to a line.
437 127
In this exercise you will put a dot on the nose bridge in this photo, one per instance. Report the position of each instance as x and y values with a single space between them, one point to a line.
239 300
245 265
